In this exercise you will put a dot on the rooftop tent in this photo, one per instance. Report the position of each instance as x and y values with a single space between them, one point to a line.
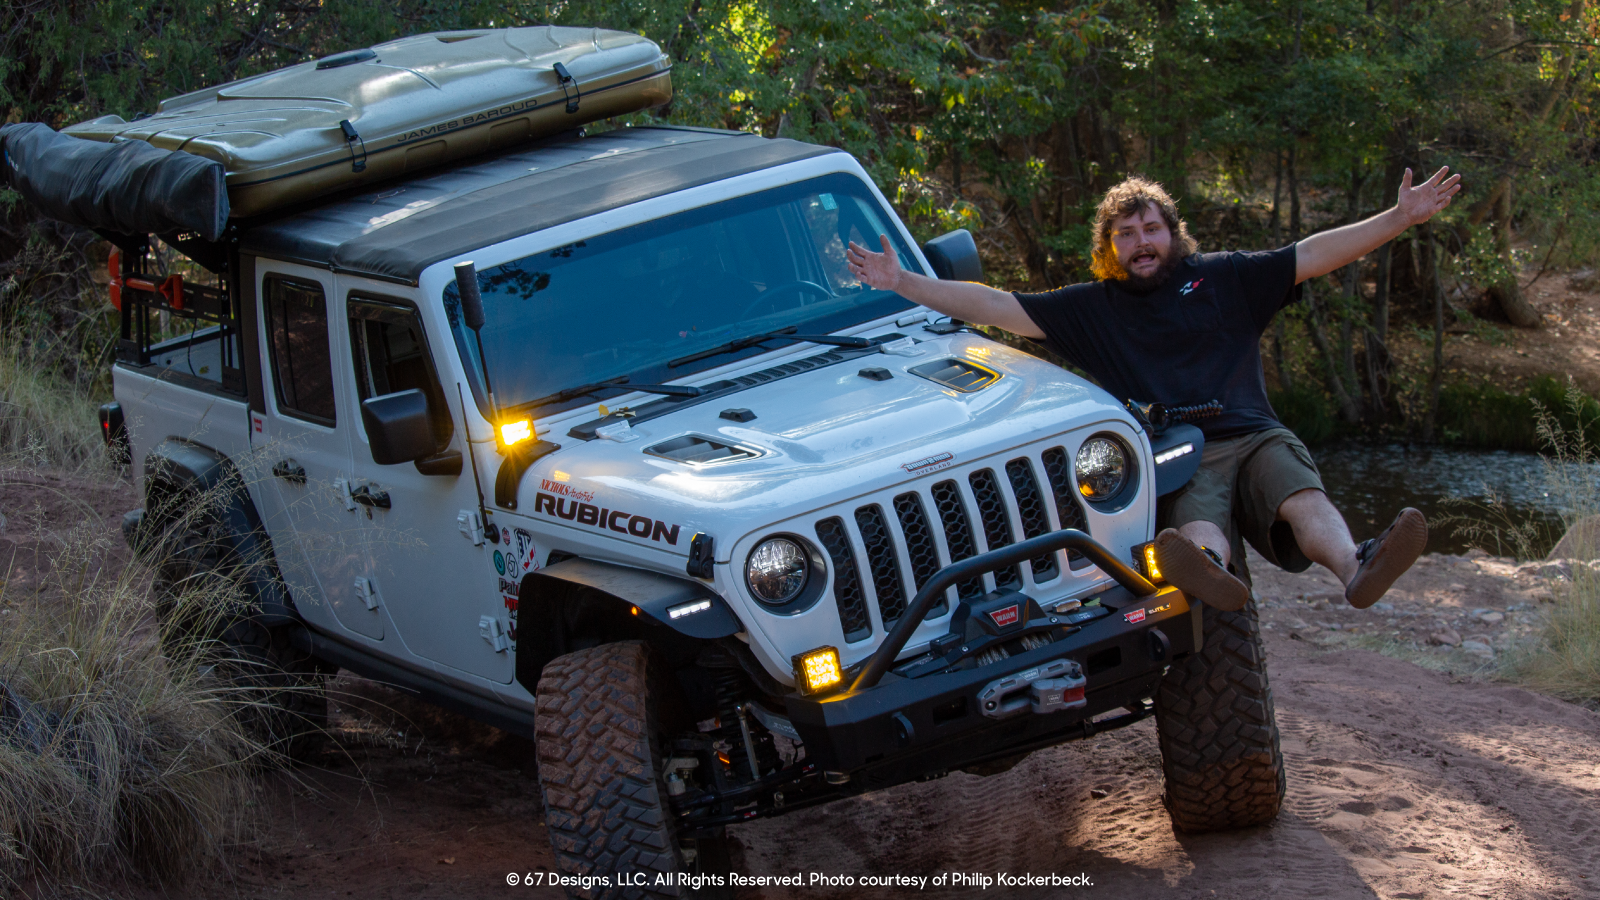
128 187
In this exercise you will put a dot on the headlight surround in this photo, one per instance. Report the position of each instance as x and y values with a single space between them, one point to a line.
1101 468
777 570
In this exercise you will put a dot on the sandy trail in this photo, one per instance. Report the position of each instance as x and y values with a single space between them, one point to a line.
1403 782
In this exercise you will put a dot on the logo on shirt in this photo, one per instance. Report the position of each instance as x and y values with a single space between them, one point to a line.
1183 291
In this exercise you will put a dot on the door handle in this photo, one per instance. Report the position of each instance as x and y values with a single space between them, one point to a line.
290 471
366 496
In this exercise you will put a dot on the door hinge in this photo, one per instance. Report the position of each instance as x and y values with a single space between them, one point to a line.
367 592
494 631
471 525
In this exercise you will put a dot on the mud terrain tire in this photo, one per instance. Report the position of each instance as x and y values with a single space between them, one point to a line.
600 740
1218 732
278 690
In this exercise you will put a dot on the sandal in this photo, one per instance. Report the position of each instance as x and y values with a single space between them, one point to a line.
1385 558
1198 572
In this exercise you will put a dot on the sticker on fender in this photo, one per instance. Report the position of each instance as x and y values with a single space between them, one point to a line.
1134 617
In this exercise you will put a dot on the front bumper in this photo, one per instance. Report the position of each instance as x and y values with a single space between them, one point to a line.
892 725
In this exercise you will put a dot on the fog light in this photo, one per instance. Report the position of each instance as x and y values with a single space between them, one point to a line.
817 670
516 432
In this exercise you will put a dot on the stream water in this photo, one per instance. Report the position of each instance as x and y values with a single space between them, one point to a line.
1371 484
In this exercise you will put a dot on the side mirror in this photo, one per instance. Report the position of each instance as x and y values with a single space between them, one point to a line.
398 427
954 256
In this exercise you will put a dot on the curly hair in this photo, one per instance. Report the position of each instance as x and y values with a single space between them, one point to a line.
1130 198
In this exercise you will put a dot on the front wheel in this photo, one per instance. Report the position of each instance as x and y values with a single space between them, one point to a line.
602 719
1218 732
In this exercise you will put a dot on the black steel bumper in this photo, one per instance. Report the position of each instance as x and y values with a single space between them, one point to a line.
891 726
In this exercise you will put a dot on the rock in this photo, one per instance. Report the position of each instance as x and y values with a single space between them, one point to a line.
1446 637
1491 618
1477 553
1099 793
1295 622
1382 605
1581 542
1477 648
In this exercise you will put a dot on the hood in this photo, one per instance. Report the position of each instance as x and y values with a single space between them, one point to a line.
809 441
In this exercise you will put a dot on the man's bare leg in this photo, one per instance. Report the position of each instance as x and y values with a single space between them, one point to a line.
1208 535
1188 566
1320 531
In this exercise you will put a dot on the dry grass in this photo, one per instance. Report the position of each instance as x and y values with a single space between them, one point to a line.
46 421
116 760
1566 661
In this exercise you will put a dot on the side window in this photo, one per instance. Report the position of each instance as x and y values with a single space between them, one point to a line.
391 355
297 336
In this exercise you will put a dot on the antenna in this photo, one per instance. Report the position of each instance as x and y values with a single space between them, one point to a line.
472 315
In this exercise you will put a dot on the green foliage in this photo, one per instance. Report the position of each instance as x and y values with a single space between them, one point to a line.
1305 410
1486 415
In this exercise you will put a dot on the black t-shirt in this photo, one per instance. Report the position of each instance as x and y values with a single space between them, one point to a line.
1194 339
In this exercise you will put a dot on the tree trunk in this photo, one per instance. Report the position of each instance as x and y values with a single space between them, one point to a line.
1430 262
1349 411
1507 292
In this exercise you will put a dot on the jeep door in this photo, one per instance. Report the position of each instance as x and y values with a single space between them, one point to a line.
451 612
302 445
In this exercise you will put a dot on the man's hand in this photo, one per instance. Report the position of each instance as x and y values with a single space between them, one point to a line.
964 300
1325 251
1421 203
878 270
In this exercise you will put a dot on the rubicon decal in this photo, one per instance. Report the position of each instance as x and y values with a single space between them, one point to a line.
607 519
930 463
1134 617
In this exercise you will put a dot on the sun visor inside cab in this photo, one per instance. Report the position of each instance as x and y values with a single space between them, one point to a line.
128 187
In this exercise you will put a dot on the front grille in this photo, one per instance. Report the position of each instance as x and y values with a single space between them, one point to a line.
1030 508
1062 485
996 522
905 542
883 563
846 582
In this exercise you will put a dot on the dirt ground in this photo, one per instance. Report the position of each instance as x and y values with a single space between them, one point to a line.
1404 781
1570 304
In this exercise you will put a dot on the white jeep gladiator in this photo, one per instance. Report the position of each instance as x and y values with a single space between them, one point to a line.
598 441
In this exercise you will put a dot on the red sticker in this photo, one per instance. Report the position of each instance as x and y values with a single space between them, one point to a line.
1007 616
1134 617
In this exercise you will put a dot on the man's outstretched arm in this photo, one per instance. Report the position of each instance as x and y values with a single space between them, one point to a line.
1325 251
964 300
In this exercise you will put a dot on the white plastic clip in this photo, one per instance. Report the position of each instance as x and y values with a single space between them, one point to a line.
621 432
471 525
491 630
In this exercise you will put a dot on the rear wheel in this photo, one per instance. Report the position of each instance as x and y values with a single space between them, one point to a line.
603 720
1218 732
276 689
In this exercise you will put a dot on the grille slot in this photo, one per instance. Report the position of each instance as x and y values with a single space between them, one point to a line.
846 580
882 562
1059 472
1035 521
924 557
996 524
957 534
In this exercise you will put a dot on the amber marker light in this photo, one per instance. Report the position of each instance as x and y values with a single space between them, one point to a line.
817 670
1144 556
512 433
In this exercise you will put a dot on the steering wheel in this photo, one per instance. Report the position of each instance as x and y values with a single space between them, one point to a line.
771 292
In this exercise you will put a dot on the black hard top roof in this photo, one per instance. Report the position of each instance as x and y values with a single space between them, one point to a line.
395 231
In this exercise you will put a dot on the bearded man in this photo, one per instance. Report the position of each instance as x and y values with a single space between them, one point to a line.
1164 323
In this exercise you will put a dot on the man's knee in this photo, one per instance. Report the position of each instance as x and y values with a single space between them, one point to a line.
1208 535
1306 501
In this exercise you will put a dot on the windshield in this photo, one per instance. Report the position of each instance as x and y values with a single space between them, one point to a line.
630 302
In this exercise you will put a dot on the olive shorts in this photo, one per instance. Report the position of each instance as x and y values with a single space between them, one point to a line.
1240 485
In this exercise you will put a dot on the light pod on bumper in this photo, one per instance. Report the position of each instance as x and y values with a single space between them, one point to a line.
817 670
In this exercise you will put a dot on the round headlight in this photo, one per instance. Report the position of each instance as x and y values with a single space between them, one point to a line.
776 571
1102 468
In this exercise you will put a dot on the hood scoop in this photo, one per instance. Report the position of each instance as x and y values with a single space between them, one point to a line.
957 374
696 450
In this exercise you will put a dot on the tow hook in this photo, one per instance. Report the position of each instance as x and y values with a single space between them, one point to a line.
1052 687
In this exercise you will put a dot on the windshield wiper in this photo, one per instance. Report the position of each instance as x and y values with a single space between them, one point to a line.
621 384
787 334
